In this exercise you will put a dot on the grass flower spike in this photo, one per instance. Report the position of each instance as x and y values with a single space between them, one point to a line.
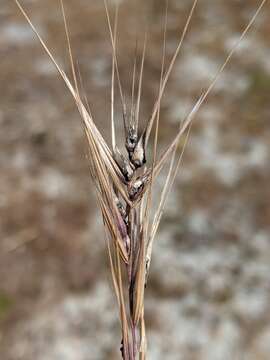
124 175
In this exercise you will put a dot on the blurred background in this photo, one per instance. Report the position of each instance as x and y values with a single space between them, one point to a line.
209 290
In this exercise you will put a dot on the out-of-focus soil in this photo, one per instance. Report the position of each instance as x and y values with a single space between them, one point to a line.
209 289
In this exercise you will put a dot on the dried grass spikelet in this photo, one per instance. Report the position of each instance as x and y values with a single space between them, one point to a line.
124 182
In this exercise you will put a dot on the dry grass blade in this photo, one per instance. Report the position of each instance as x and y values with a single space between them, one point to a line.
88 121
113 269
112 85
149 198
164 195
172 174
140 85
132 111
69 47
109 210
139 284
205 94
148 128
143 346
116 65
124 322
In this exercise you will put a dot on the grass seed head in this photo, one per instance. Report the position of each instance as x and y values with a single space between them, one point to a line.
121 183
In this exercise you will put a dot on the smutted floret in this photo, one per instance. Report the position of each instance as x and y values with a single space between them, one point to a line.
131 140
